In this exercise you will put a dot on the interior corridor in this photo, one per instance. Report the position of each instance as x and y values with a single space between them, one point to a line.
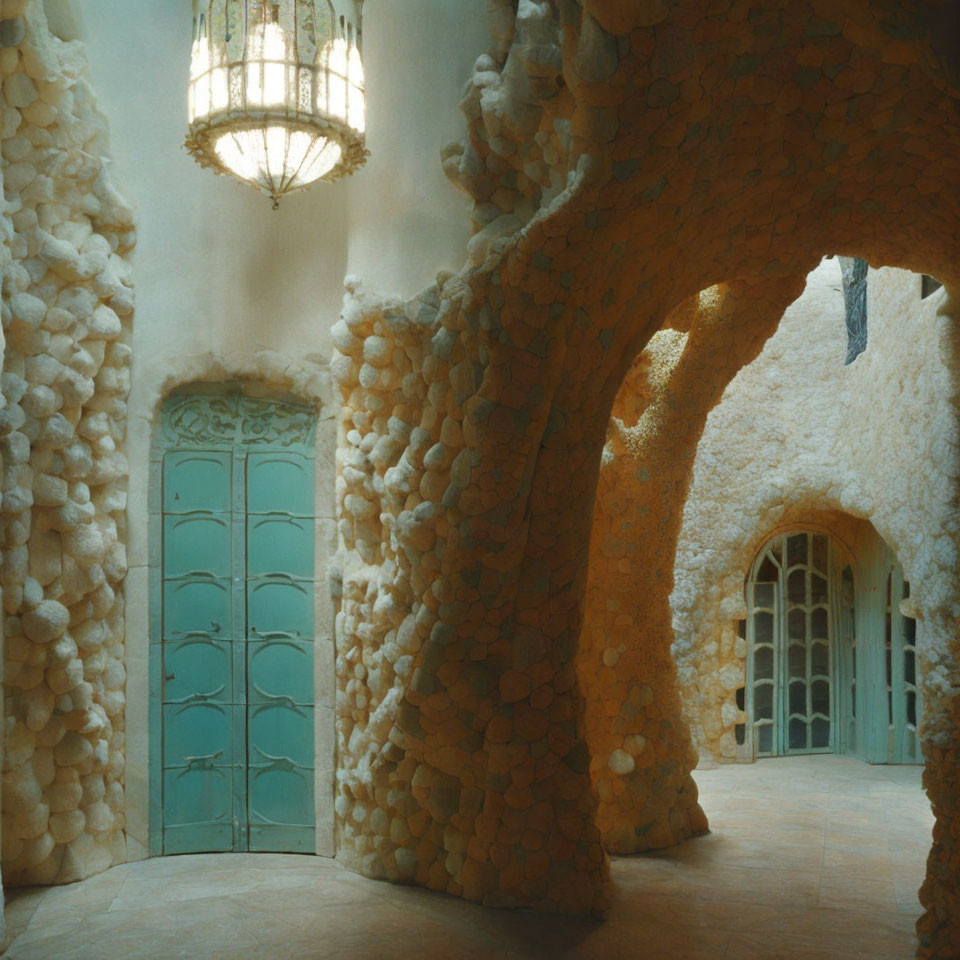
810 858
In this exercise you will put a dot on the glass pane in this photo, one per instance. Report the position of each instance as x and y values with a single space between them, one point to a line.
763 701
819 734
818 623
763 595
765 739
820 697
818 588
820 552
820 659
906 589
911 708
763 663
909 667
797 661
798 697
767 572
797 587
797 625
910 631
796 549
763 628
798 734
847 581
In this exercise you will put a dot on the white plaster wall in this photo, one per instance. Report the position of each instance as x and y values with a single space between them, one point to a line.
405 220
798 432
228 287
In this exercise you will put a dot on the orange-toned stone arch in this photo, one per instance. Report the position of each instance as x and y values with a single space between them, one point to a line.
698 143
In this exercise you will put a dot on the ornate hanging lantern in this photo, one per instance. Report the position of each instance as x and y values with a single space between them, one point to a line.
276 94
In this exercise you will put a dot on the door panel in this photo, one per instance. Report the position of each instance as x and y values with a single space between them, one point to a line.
791 640
198 729
198 809
279 667
237 751
279 543
197 607
198 665
279 482
280 568
280 771
280 607
901 669
197 480
762 630
197 543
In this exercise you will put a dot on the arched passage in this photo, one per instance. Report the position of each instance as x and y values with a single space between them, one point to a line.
676 136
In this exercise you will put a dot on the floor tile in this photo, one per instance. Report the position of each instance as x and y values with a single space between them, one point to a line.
809 858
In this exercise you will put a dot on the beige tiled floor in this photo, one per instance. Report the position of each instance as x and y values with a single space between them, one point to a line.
810 858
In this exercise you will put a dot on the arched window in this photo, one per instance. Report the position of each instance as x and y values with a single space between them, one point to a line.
791 629
832 662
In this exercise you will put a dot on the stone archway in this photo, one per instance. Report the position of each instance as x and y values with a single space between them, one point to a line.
678 146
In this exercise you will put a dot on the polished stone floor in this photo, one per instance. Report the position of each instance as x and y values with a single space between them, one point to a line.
810 858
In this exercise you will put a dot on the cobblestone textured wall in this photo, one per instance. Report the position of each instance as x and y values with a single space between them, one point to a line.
67 307
674 146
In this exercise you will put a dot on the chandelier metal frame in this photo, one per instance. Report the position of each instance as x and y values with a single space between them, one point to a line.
277 65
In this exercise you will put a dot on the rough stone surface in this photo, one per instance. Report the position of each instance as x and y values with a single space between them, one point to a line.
628 678
607 147
800 440
66 236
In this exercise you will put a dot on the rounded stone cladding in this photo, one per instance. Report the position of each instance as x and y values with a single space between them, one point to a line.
740 141
641 754
67 310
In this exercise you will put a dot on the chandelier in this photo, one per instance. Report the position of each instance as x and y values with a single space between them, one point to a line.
276 95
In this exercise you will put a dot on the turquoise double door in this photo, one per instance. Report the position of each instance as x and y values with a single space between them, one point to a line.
237 622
